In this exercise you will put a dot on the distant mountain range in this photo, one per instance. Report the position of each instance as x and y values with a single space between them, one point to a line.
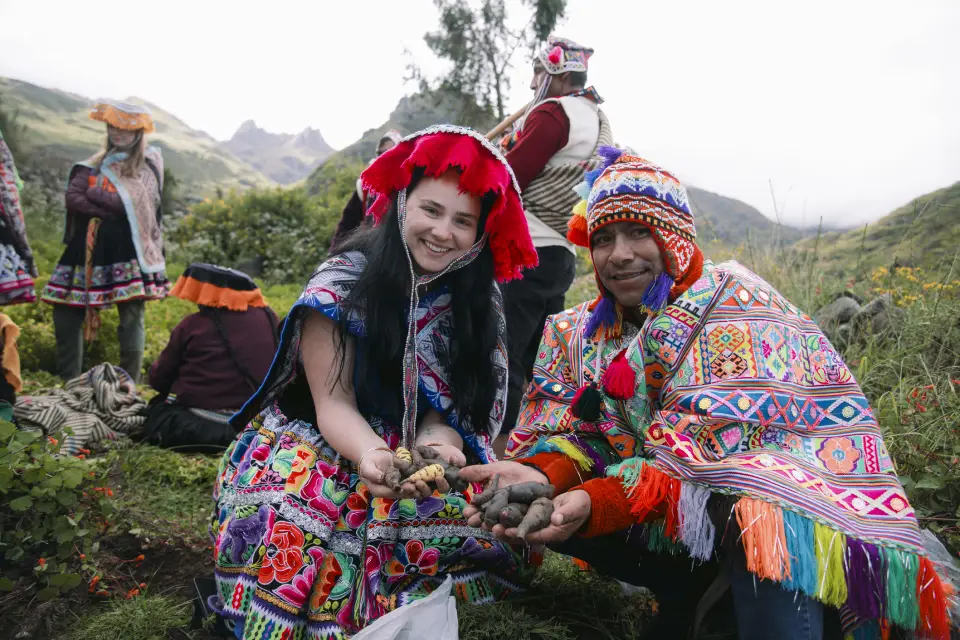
282 157
58 133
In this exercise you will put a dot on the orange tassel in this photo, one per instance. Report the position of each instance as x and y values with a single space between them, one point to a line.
652 493
764 540
577 231
932 598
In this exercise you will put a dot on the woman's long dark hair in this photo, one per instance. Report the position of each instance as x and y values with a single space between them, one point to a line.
382 293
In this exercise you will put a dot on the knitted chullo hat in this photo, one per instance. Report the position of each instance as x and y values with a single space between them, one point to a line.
562 55
123 115
627 188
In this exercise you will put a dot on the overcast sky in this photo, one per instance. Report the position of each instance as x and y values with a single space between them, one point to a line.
851 108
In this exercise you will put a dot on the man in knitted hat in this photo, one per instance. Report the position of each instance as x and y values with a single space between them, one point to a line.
549 150
691 409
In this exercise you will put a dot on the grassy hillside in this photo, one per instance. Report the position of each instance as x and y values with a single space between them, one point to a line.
58 132
923 233
722 219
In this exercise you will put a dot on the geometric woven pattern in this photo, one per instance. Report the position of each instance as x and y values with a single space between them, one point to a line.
768 409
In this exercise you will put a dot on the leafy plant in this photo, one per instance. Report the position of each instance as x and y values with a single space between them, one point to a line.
50 512
480 44
286 229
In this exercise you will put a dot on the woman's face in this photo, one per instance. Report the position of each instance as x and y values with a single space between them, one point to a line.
121 138
441 222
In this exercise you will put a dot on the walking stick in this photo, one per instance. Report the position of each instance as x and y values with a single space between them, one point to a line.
509 120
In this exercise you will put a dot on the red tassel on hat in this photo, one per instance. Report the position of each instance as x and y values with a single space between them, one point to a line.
620 380
555 55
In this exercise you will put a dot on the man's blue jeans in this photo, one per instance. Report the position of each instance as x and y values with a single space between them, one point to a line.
763 609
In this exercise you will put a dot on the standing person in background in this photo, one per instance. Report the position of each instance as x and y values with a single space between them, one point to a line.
17 267
114 239
215 359
551 148
355 212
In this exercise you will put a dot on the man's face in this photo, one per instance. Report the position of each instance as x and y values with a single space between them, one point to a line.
558 84
627 259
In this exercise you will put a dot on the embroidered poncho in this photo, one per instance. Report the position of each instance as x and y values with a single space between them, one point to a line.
742 394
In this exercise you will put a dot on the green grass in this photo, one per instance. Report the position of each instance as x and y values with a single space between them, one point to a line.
142 618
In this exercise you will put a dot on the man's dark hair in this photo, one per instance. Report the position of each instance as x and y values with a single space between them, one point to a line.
577 78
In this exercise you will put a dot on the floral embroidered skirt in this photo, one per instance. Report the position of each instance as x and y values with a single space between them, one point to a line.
16 283
115 271
303 551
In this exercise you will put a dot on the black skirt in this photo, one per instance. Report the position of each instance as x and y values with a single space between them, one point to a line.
116 274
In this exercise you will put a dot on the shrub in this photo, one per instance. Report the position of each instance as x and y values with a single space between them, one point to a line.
49 512
288 230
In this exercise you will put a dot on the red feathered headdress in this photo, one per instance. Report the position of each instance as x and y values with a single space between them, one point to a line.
482 169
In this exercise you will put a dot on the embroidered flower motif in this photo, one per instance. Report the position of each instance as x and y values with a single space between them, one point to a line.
328 576
297 592
839 455
411 559
303 460
284 556
897 504
357 504
321 495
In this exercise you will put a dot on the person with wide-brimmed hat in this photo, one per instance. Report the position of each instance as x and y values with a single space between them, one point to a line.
215 359
114 237
398 341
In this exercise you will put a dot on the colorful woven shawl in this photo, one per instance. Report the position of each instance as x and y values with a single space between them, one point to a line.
329 286
141 197
743 395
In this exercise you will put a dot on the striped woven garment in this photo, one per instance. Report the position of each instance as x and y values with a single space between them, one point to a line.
101 404
550 196
739 393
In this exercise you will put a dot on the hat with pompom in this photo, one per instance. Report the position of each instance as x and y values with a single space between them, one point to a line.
628 188
562 56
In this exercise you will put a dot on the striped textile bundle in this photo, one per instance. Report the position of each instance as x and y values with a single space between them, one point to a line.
99 404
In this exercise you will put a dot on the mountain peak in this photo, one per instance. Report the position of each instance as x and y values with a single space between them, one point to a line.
283 157
312 140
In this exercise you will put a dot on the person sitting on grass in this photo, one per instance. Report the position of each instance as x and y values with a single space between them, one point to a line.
692 410
396 341
215 359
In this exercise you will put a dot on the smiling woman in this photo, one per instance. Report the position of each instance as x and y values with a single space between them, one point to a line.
442 222
372 357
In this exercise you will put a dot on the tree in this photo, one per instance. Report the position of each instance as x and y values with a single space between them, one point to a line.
476 39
